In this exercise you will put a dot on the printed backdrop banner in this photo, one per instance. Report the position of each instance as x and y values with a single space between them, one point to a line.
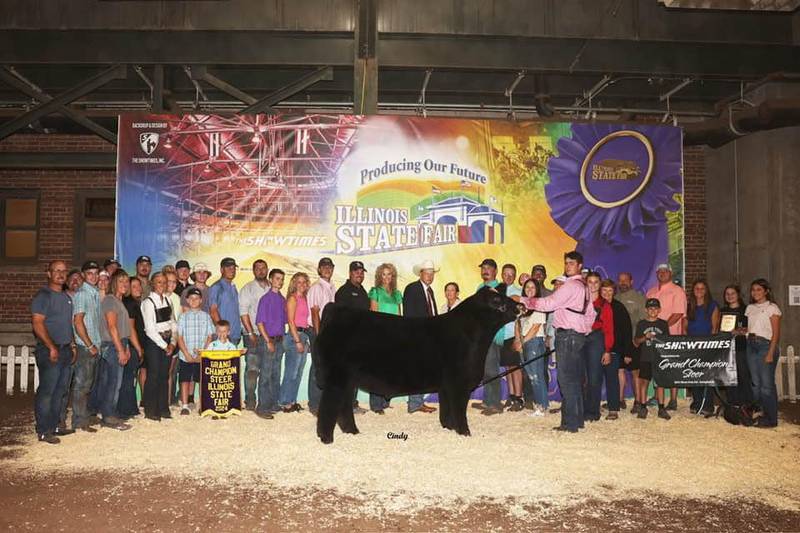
695 361
291 189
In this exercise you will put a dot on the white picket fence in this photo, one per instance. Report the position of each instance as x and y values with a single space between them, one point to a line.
26 360
785 373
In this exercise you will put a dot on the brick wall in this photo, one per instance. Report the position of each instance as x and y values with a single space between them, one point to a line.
58 188
694 215
56 212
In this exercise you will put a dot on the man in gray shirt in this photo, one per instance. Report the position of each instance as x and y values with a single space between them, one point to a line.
249 296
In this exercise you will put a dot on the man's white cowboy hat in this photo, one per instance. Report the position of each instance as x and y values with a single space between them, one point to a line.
425 265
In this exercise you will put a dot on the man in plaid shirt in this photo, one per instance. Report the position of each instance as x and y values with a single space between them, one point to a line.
195 329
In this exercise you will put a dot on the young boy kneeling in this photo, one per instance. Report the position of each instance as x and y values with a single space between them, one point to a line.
195 330
646 330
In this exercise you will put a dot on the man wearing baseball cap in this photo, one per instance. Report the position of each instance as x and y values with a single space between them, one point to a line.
111 265
250 295
321 293
491 391
352 294
224 299
539 273
182 273
673 309
143 268
86 322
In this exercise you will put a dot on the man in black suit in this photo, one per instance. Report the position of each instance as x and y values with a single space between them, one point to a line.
418 301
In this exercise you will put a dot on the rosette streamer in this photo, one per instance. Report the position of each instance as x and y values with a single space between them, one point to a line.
630 236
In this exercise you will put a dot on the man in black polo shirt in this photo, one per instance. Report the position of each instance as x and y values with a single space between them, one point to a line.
51 316
352 294
182 272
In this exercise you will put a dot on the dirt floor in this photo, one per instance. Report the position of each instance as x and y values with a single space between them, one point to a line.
96 501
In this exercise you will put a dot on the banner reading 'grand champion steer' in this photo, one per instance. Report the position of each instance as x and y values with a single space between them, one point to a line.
293 188
220 382
695 361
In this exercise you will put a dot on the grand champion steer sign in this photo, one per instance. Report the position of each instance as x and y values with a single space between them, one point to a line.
695 361
220 387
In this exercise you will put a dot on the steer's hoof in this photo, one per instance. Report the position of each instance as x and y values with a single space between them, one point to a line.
326 439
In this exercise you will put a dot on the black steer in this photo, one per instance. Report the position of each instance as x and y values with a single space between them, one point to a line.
394 356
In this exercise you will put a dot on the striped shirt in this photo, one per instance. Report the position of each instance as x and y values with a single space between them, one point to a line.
87 302
194 327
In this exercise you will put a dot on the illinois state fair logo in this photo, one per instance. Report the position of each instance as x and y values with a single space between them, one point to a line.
149 141
616 169
413 208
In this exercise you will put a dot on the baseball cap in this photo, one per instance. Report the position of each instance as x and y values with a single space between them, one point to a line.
539 267
325 261
143 259
194 291
663 266
183 263
357 265
489 262
559 279
89 265
585 270
104 274
228 261
652 302
111 261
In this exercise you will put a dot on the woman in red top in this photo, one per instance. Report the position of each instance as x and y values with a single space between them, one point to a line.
597 350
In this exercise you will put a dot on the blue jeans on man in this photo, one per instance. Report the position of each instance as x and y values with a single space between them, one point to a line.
536 371
592 360
253 358
491 368
294 364
83 380
765 393
269 380
54 381
569 353
110 379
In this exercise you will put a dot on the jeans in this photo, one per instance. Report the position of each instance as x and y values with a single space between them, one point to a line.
83 379
763 375
156 396
415 402
269 380
126 404
592 356
491 368
569 351
110 379
294 363
54 381
611 373
253 359
314 392
536 371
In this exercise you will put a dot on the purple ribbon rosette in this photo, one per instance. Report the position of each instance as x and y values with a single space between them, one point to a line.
610 188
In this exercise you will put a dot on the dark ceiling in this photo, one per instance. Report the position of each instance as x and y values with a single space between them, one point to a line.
614 58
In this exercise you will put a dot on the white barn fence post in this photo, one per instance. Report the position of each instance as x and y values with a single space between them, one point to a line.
24 361
11 364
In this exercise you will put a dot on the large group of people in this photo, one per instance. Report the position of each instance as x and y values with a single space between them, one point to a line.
102 332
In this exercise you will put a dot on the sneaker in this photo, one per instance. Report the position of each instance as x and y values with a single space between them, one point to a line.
635 408
537 412
49 438
622 404
672 405
489 411
478 405
652 402
612 415
113 422
63 430
662 413
185 411
642 412
88 429
530 405
266 415
358 410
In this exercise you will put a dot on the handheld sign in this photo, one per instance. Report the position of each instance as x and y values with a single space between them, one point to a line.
220 386
683 361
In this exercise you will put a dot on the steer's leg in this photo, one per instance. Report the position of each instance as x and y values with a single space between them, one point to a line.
444 409
333 395
347 422
459 412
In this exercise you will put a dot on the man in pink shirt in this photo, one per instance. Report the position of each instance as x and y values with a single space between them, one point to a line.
573 316
320 294
673 309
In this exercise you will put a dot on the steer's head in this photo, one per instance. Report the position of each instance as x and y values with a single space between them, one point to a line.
503 307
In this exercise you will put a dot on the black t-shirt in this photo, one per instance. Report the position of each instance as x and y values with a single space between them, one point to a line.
647 353
180 287
135 312
349 295
741 322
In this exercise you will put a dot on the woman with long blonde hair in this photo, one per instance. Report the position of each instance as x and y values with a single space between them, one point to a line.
384 298
297 343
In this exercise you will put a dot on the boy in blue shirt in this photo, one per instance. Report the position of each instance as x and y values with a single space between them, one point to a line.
195 329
